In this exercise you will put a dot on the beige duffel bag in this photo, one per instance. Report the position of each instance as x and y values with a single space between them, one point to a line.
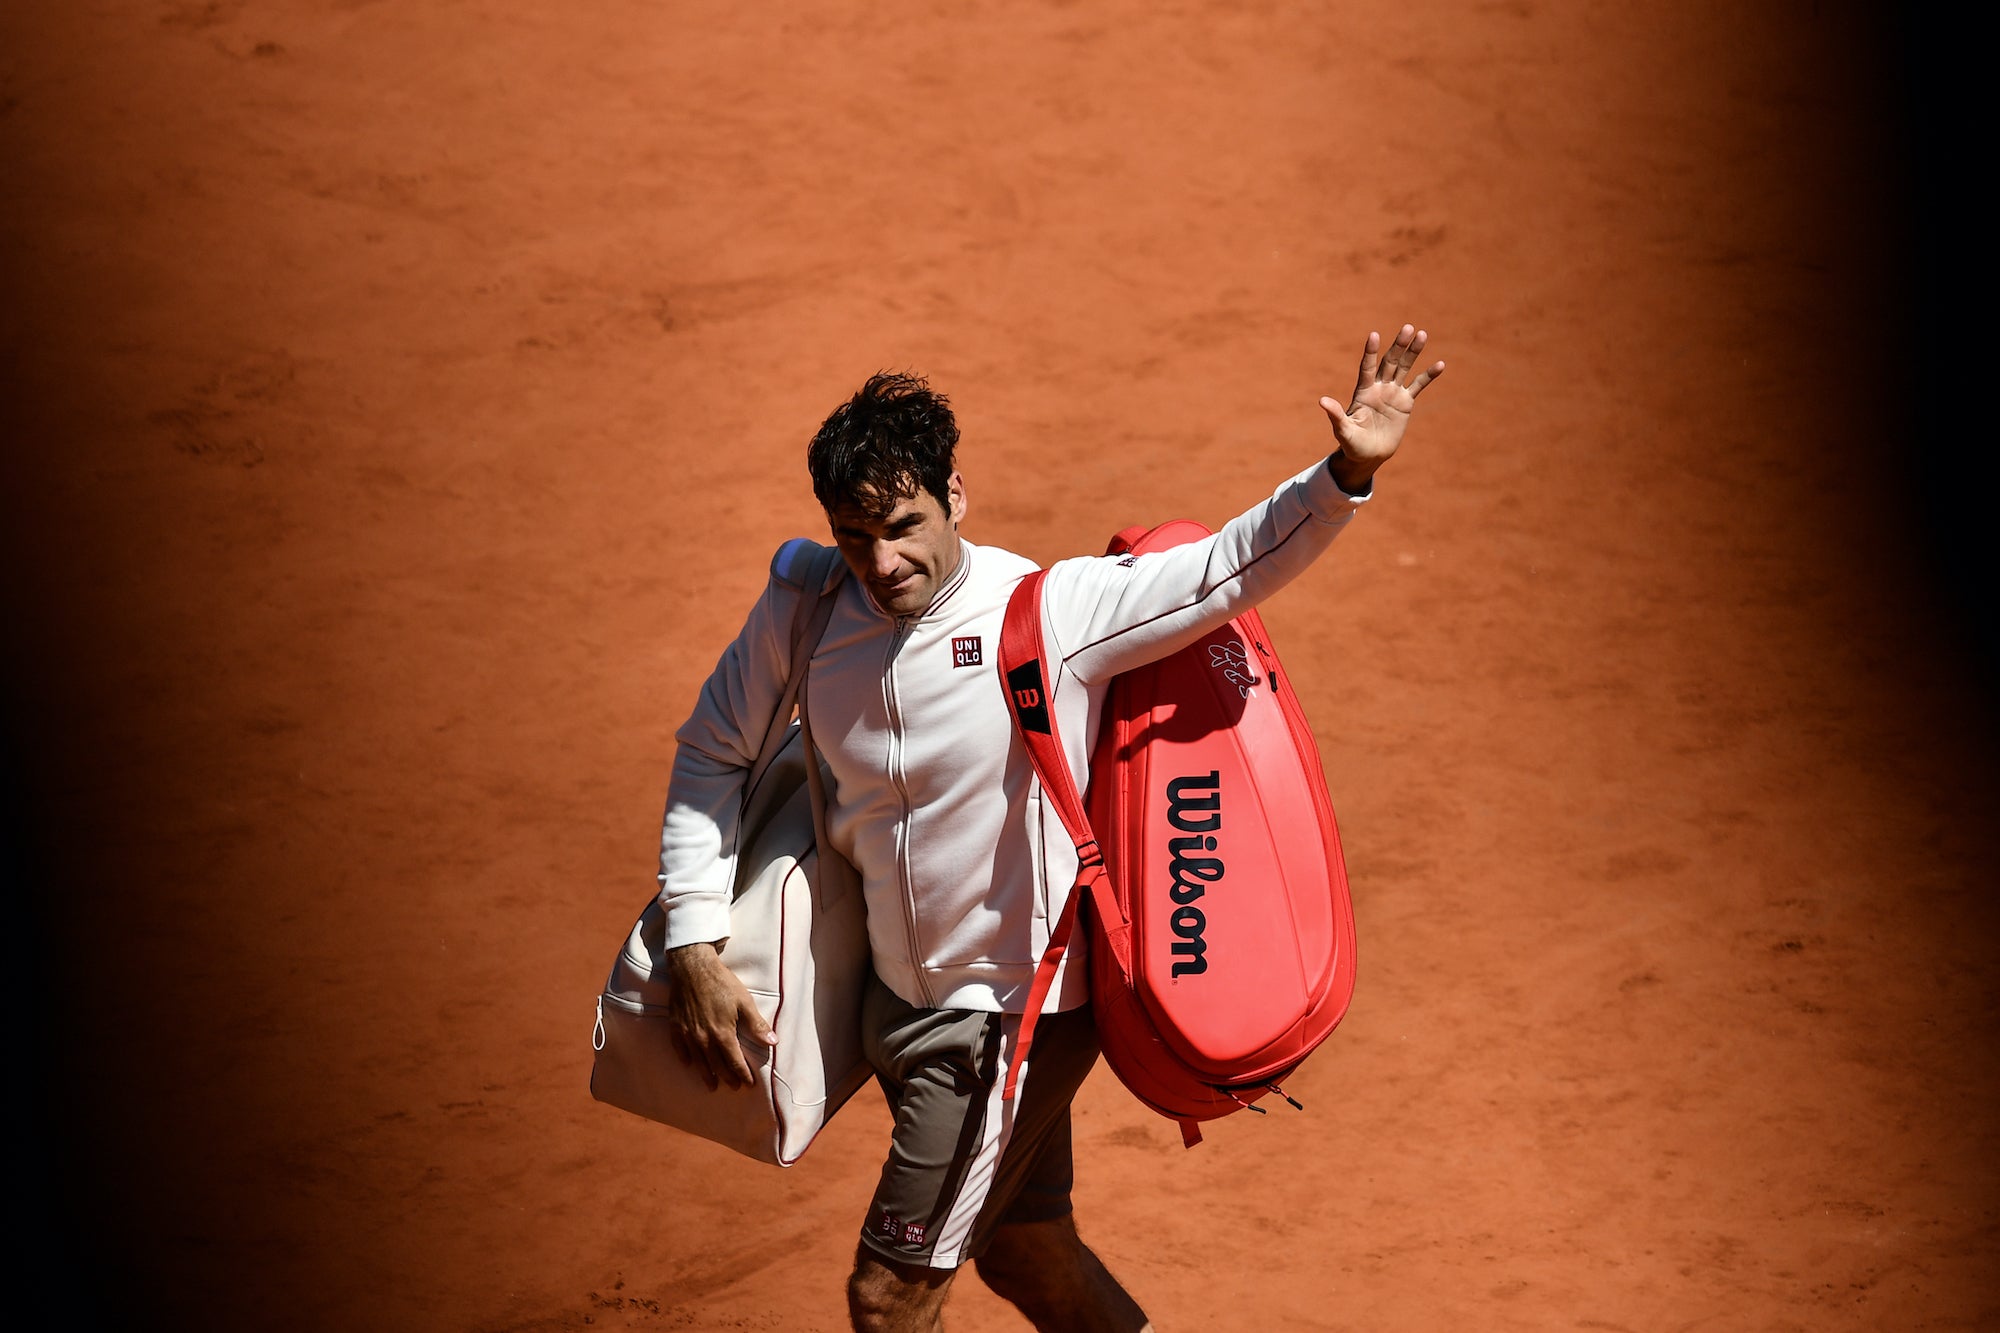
798 941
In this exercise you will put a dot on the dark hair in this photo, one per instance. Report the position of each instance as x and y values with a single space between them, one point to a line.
890 440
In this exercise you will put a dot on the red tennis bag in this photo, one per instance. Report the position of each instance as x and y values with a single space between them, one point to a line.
1221 929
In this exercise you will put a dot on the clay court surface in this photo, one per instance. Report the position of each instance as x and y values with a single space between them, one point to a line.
404 403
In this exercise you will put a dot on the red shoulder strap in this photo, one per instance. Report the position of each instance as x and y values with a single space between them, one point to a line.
1024 672
1025 676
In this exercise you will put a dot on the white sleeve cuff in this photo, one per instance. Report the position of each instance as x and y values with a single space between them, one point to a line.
695 919
1324 497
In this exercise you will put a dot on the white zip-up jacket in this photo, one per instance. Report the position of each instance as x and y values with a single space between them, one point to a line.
964 868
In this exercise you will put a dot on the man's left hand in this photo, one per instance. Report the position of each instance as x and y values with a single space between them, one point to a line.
1371 428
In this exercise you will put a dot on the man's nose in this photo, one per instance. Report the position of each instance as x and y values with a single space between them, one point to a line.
883 560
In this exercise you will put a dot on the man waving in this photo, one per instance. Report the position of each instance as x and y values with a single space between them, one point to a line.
964 866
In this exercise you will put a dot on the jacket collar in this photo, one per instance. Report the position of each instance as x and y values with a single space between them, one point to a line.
953 583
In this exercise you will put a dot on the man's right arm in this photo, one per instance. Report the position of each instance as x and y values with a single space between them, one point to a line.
711 1013
715 749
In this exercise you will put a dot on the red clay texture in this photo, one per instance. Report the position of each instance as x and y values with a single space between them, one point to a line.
405 400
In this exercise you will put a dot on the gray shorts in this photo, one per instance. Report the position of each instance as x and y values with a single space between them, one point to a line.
961 1160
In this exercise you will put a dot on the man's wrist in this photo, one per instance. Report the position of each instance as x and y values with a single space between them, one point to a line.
698 954
1355 478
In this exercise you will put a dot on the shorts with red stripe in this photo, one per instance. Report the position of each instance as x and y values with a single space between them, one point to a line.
961 1160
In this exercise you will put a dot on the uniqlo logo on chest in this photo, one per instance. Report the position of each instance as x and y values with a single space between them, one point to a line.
965 652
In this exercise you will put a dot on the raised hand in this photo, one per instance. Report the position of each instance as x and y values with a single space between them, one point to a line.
1371 428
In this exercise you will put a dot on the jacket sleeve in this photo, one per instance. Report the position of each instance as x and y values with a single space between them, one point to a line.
717 747
1107 614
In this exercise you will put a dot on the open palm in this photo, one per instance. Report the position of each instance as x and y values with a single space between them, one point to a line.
1371 427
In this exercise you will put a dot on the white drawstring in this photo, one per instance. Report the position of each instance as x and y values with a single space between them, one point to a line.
597 1033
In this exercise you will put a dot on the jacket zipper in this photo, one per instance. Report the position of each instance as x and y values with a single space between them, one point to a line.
905 881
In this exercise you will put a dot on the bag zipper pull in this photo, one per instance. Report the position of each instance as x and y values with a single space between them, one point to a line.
1286 1095
597 1033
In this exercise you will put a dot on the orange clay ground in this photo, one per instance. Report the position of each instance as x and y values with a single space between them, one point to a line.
404 403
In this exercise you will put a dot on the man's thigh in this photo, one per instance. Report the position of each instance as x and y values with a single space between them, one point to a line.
961 1160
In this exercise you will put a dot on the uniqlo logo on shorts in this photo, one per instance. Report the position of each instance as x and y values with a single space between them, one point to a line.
913 1233
965 652
890 1225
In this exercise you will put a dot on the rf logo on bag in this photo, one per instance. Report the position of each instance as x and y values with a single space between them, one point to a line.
965 652
1234 664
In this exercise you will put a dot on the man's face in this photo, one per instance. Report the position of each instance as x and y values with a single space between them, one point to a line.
903 557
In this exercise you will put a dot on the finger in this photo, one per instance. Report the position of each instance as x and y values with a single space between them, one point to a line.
1336 418
715 1041
1417 384
753 1035
735 1063
759 1030
1416 348
1399 357
1371 357
744 1058
700 1041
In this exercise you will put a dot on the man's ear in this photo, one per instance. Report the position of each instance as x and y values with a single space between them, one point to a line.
955 488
